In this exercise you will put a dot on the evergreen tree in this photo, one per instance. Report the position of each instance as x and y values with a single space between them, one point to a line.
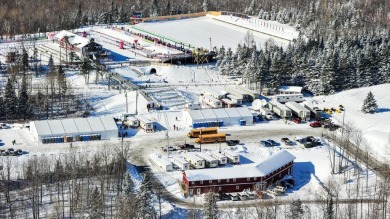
153 8
51 63
210 207
97 204
144 197
2 112
79 16
129 185
24 105
10 101
295 210
369 104
25 60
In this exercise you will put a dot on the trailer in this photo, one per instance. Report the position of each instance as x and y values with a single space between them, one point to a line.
209 160
235 99
193 106
181 163
280 109
132 122
195 161
145 123
222 159
232 157
226 103
284 98
299 111
161 162
252 94
244 96
315 111
212 92
212 102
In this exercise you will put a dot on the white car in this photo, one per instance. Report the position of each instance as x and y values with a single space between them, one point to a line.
4 126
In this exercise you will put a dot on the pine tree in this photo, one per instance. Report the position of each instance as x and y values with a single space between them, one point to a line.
129 185
144 197
295 210
10 101
153 8
51 63
24 105
97 204
210 207
25 60
369 104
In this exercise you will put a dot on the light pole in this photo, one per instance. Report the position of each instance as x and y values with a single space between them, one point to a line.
210 45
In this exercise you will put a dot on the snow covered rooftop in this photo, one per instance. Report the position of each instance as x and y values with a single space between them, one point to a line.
74 39
293 89
260 169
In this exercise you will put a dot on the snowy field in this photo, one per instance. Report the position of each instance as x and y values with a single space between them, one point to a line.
199 31
374 127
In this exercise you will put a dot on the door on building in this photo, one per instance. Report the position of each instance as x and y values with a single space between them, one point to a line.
219 189
198 191
260 186
191 192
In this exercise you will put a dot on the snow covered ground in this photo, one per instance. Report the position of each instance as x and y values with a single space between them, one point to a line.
374 127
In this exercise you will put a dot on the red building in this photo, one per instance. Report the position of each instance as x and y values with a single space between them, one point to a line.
235 179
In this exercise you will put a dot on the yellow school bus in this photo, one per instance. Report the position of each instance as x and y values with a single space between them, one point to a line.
213 138
194 133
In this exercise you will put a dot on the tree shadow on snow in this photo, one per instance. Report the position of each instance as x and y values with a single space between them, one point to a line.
303 173
383 110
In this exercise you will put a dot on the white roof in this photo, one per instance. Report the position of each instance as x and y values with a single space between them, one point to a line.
56 127
179 160
196 114
279 105
206 156
42 127
69 126
96 124
211 98
192 157
143 119
297 106
231 96
82 125
227 101
244 111
218 155
74 39
261 169
221 113
109 123
296 89
231 153
209 114
232 112
289 95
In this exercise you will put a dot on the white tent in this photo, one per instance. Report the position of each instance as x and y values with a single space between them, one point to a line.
229 116
104 126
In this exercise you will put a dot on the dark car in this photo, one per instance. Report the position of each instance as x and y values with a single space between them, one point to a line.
272 142
19 152
4 153
186 146
286 141
265 144
232 142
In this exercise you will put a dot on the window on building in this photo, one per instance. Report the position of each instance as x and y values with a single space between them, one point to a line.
234 180
237 187
192 183
227 180
201 182
280 174
210 181
219 188
219 181
254 178
248 179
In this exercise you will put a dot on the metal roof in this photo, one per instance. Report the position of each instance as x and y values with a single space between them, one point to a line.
261 169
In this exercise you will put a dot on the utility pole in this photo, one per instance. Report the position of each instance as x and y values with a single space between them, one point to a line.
136 102
167 137
127 104
210 45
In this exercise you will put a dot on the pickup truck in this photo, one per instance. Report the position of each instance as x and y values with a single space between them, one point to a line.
286 141
186 146
170 148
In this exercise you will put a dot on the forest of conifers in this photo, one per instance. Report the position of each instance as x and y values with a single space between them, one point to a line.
344 44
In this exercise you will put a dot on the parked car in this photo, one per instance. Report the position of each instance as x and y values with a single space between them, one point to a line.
272 142
4 126
299 139
286 141
170 148
232 142
11 151
186 146
297 120
315 124
19 152
265 144
4 153
269 117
